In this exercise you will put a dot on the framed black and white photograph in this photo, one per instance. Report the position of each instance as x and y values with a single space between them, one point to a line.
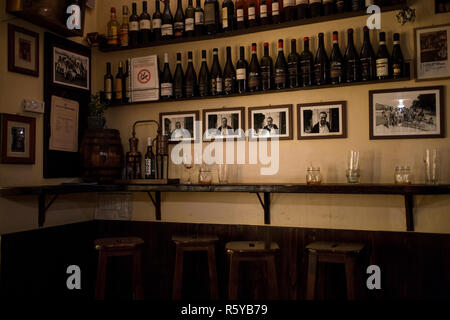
270 122
18 138
23 51
223 123
407 113
322 120
180 126
441 6
432 56
70 69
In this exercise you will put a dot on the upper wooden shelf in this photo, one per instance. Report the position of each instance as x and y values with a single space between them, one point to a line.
255 29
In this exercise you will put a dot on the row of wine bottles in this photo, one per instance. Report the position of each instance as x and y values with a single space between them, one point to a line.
196 21
297 70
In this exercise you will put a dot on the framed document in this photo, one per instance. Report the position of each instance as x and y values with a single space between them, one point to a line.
64 125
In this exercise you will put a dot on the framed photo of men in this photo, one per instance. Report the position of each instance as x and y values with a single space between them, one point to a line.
223 123
180 126
270 122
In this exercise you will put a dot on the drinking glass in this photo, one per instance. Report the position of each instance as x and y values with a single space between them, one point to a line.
188 164
353 173
222 173
431 167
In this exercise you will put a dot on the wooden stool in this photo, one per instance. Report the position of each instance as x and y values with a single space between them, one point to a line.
195 243
333 252
112 247
252 251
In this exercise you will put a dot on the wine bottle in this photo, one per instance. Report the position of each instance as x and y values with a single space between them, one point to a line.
263 12
144 25
397 58
356 5
351 59
289 10
340 6
382 58
167 22
229 75
216 75
240 22
118 84
124 28
266 69
190 80
203 77
199 20
368 61
336 62
189 20
328 7
134 26
281 66
166 80
241 72
150 161
321 64
126 84
302 7
251 19
294 66
227 15
156 22
178 79
276 12
254 72
108 83
212 16
113 30
306 64
178 21
315 8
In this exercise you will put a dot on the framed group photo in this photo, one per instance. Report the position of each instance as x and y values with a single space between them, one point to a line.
23 51
407 113
322 120
18 138
223 123
271 122
180 126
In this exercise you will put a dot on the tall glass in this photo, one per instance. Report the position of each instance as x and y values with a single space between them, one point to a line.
431 166
353 173
222 173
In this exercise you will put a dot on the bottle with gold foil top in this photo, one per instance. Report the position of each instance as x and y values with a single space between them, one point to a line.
397 58
113 29
124 28
118 84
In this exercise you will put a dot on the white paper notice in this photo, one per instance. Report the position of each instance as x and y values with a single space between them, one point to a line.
144 78
64 125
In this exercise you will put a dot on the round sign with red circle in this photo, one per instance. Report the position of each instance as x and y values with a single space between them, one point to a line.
144 76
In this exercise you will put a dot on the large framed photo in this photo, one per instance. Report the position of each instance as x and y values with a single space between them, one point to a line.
322 120
18 138
407 113
432 56
270 122
23 51
180 126
223 123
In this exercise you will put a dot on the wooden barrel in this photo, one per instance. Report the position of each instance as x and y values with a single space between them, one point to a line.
101 155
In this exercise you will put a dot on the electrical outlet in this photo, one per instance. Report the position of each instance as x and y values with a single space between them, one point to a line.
33 105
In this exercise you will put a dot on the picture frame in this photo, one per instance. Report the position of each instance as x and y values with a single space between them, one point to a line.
323 120
23 51
278 118
441 6
214 121
432 46
407 113
18 139
180 124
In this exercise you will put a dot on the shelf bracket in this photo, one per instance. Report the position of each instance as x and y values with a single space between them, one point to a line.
157 203
266 206
43 207
409 208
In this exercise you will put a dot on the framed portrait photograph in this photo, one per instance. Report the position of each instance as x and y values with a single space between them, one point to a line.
71 69
18 138
223 123
270 122
432 56
441 6
180 126
407 113
23 51
322 120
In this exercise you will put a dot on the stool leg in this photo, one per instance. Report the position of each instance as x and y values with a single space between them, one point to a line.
272 275
138 291
233 279
311 278
178 274
213 283
101 276
350 276
321 281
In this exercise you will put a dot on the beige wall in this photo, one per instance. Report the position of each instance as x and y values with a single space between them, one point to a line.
321 211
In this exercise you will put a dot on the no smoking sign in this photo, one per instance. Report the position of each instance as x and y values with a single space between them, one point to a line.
144 76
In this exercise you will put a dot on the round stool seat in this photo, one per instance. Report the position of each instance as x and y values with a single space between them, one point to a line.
338 247
118 243
251 247
180 239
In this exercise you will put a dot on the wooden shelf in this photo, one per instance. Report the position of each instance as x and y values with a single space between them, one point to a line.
255 29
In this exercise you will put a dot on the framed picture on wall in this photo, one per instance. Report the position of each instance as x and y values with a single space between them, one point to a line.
407 113
223 123
441 6
432 46
322 120
18 138
270 122
23 51
180 126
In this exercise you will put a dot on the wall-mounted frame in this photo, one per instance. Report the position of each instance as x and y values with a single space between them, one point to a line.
180 126
407 113
432 46
441 6
322 120
18 138
270 121
224 123
23 51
